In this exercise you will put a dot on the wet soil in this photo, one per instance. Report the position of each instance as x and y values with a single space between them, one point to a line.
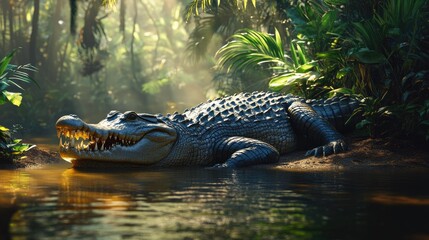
363 154
34 158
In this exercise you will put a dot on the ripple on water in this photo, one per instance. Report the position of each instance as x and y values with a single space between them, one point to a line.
205 204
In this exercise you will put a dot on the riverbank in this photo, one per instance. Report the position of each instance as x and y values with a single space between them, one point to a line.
34 158
362 154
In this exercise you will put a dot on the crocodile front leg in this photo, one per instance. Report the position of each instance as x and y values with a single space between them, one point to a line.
317 130
235 152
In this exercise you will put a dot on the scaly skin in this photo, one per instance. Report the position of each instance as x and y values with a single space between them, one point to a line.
235 131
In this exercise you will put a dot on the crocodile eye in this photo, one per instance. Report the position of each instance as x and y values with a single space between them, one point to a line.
131 116
112 114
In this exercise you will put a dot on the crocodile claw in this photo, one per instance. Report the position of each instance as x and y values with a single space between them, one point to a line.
219 166
328 149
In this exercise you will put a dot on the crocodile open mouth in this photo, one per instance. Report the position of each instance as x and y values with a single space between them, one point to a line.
85 140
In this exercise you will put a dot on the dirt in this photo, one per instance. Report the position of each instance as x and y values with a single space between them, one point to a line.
34 158
363 153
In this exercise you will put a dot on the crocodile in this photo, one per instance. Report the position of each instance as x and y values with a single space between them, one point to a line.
230 132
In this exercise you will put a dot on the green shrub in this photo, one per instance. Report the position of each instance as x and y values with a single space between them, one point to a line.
381 57
10 75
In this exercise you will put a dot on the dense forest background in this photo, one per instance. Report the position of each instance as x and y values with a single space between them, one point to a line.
163 56
94 57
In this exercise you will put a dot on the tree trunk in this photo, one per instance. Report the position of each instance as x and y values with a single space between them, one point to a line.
135 80
34 33
11 37
52 60
3 25
73 13
122 17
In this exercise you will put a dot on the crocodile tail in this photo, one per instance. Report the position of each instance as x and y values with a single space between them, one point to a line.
336 110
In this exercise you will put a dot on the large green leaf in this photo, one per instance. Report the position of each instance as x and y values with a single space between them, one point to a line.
20 148
13 97
306 67
5 62
285 80
249 49
10 75
346 91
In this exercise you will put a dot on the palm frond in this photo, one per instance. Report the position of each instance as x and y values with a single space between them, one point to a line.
249 49
4 63
201 36
109 3
200 6
370 34
9 76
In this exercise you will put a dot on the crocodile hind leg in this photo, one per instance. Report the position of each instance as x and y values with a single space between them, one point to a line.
238 152
317 130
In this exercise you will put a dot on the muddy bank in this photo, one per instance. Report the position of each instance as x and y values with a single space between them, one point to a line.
34 158
363 153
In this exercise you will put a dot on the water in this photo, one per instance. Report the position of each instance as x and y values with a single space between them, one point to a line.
57 202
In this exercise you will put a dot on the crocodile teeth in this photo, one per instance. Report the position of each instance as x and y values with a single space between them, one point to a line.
91 141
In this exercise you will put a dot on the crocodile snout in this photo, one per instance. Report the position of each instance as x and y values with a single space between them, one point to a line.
69 121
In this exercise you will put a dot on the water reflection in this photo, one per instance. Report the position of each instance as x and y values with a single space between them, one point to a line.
198 203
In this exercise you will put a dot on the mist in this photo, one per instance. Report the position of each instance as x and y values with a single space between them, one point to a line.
130 55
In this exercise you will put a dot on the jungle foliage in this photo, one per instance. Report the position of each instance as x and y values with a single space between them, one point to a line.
98 55
10 76
375 50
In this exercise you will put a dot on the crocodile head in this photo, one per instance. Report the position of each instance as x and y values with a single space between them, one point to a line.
121 138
